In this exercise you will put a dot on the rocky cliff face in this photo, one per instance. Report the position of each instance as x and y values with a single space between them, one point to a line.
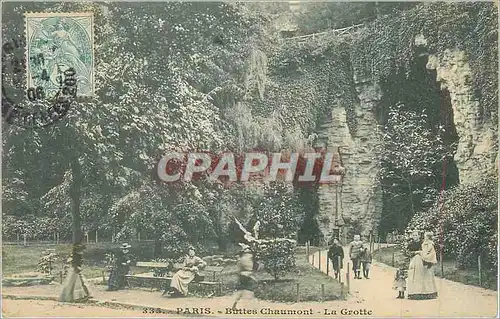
477 151
358 202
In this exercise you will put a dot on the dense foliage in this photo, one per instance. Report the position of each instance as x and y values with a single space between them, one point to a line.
278 211
465 224
324 16
93 170
277 255
411 160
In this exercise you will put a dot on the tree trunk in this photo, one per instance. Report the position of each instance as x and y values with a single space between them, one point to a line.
221 239
157 249
75 192
222 243
221 235
411 198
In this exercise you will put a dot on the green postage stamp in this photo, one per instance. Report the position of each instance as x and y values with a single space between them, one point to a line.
56 42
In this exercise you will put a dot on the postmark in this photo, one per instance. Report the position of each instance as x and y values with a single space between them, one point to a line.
31 108
55 42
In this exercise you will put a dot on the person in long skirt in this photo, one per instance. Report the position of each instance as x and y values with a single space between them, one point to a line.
182 278
336 255
74 288
245 277
121 268
421 282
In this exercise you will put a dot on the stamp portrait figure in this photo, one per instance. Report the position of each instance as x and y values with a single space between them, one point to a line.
57 42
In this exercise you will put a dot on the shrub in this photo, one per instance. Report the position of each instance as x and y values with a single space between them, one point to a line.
160 272
47 261
109 261
467 221
277 255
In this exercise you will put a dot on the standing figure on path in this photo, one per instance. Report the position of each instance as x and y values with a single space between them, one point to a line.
182 278
366 260
121 268
74 288
400 283
421 283
246 279
336 255
355 250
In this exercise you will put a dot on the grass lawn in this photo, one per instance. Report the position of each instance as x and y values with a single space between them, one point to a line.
285 289
309 279
19 259
465 276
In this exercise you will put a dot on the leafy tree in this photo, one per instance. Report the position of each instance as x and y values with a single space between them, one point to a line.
15 198
411 156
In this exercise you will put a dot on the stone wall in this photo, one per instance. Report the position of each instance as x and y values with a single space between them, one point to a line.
477 151
359 201
334 133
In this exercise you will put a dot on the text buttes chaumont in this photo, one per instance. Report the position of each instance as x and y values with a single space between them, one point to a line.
269 311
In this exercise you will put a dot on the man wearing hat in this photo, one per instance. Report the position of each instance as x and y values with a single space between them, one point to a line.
122 266
246 279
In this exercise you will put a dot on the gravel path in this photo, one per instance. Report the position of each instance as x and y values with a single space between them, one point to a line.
153 300
49 308
376 294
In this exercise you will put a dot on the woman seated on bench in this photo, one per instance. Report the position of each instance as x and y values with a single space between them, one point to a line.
182 278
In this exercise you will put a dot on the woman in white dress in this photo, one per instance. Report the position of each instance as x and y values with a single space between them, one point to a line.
189 270
421 283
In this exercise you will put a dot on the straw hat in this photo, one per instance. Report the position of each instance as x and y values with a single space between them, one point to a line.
244 247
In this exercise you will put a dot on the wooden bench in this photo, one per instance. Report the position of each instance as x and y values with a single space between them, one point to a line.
212 269
164 280
215 284
149 276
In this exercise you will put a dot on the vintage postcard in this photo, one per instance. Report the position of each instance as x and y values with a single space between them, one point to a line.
250 159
